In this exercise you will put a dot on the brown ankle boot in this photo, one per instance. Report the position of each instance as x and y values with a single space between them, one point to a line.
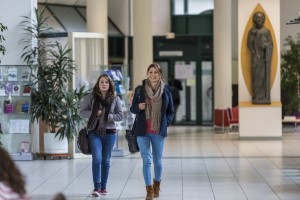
156 187
150 193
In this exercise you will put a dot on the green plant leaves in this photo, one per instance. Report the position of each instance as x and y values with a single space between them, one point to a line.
2 38
290 74
54 102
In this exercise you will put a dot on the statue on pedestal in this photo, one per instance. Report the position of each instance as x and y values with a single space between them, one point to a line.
260 45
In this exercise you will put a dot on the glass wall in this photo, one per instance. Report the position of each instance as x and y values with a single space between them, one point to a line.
207 91
191 7
88 52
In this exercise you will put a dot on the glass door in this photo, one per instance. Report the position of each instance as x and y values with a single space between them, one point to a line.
191 83
88 52
206 92
184 92
181 77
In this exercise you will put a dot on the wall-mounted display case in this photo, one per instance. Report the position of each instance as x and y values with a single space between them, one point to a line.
15 100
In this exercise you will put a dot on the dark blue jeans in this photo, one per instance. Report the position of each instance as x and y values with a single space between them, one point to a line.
101 149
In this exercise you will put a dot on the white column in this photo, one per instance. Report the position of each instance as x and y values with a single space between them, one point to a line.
142 39
222 54
96 12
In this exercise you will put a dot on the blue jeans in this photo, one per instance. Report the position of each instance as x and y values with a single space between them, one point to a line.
157 142
101 149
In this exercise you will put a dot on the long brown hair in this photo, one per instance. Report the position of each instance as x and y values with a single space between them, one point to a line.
111 89
10 173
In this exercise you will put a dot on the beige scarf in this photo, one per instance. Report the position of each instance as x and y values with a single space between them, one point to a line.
155 95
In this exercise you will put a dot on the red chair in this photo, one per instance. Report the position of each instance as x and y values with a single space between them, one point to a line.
221 119
234 120
235 113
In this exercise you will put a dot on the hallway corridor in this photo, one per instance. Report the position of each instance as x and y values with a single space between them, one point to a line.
198 165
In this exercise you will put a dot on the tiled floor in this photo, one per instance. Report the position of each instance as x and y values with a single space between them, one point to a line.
198 165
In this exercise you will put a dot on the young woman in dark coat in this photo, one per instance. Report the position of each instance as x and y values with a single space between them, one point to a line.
153 105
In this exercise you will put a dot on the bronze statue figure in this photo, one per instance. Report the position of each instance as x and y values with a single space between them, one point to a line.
261 47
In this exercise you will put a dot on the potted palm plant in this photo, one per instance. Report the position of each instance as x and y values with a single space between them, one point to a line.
290 75
54 102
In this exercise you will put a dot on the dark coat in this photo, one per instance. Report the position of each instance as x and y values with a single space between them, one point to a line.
167 111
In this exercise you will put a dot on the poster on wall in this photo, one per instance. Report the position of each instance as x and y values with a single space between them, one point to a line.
15 90
185 71
12 74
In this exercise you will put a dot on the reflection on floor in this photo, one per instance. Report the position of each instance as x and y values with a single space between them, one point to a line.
198 165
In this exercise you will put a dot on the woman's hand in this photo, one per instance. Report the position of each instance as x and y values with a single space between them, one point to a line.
142 106
99 113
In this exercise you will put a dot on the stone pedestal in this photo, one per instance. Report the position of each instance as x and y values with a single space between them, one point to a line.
260 121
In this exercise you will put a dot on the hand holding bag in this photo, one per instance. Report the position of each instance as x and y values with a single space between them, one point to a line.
83 142
132 140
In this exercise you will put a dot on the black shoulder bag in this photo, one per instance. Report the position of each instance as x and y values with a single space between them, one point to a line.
131 139
83 142
129 135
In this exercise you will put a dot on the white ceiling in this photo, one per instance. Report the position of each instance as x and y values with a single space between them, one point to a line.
65 2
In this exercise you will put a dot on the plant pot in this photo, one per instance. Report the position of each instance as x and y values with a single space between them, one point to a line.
53 145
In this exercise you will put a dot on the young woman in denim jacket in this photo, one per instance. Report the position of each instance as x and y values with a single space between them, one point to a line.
153 105
103 108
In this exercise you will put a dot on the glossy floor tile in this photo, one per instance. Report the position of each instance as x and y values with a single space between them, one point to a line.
199 164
